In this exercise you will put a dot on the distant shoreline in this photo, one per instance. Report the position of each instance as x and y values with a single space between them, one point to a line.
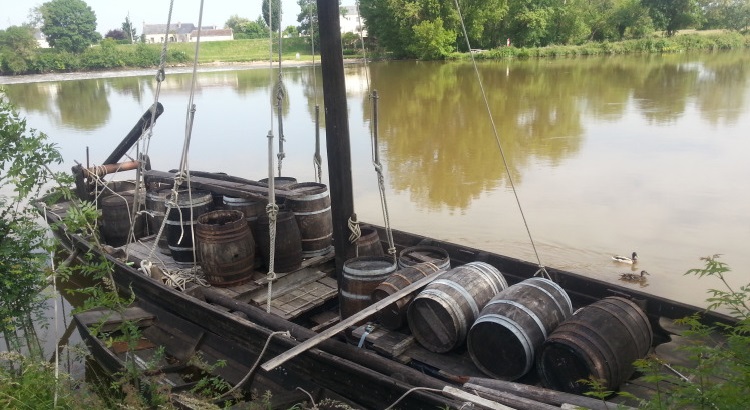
135 72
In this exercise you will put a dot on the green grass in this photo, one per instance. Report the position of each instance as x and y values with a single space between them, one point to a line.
239 51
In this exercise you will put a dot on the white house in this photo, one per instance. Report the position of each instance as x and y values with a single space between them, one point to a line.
349 20
41 40
184 33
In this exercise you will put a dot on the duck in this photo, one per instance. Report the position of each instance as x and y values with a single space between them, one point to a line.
633 277
624 259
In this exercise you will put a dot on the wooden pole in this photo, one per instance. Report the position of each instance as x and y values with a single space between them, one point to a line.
351 320
135 133
337 129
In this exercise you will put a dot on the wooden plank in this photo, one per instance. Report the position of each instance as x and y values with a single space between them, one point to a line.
234 188
548 396
109 320
363 314
465 396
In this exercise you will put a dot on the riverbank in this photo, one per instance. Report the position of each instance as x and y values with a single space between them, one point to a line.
136 72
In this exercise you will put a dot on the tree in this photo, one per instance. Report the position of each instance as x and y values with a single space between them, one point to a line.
275 14
116 35
672 15
308 19
17 47
69 25
235 21
129 30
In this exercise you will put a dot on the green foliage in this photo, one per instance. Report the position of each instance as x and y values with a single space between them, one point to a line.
431 40
130 33
275 14
673 15
720 376
24 156
308 19
17 48
32 384
69 25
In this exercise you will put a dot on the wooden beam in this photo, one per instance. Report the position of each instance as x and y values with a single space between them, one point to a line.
337 129
471 398
351 320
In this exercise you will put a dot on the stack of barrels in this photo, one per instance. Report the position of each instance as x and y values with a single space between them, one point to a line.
508 330
230 236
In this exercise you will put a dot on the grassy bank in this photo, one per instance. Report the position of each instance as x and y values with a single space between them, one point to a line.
111 56
680 43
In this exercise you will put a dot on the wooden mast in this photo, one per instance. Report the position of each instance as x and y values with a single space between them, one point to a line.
337 128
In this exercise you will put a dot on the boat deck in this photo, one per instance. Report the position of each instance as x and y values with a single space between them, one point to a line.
293 293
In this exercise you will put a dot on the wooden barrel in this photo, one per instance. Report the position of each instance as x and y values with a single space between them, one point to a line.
393 316
288 244
360 277
183 214
117 210
514 324
441 314
601 340
368 243
311 206
156 207
225 247
280 181
251 208
418 254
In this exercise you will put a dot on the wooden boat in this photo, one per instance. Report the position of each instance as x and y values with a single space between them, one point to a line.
372 367
172 355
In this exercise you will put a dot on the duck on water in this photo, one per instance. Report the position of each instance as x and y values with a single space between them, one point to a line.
624 259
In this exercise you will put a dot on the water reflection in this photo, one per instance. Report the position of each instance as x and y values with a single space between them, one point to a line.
603 150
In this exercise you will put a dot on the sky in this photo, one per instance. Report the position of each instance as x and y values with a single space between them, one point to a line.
111 14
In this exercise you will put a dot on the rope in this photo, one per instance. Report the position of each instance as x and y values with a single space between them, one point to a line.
413 389
381 178
317 160
257 362
497 137
356 232
272 210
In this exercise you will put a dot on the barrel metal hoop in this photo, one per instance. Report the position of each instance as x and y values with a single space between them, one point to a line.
311 197
445 299
559 308
558 288
320 211
350 295
516 330
466 295
526 310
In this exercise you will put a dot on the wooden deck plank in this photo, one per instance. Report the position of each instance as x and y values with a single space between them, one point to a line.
111 320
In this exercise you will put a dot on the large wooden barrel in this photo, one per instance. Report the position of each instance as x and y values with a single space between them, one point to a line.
225 246
184 212
117 210
393 316
311 206
280 182
251 208
360 277
514 324
156 207
288 244
421 253
368 243
601 340
441 314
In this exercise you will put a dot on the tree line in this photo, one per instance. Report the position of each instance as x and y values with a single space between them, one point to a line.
426 29
434 28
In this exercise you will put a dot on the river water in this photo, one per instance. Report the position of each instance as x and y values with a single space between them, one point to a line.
607 155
